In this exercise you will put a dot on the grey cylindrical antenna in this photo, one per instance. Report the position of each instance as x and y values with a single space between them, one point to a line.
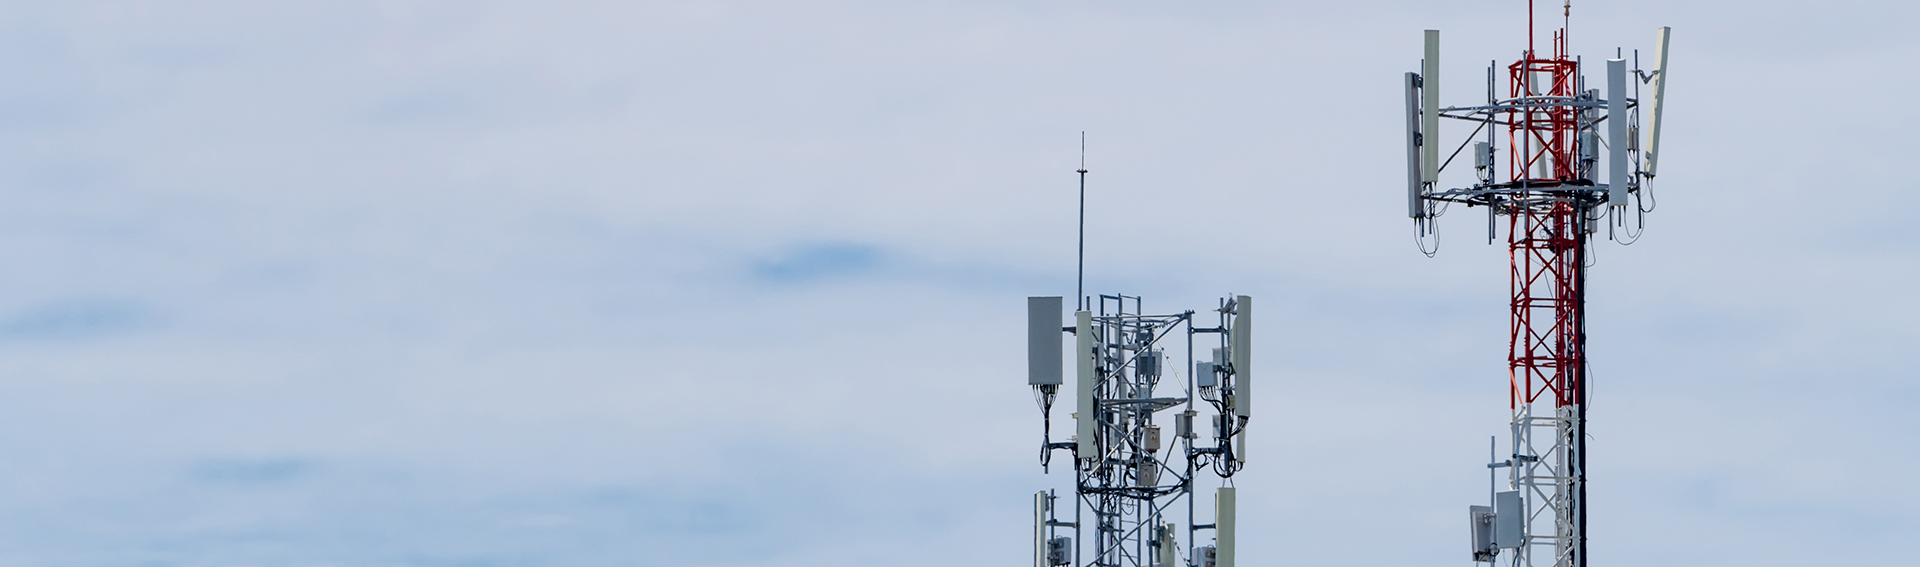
1618 178
1659 96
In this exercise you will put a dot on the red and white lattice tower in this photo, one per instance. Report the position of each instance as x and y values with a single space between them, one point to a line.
1553 196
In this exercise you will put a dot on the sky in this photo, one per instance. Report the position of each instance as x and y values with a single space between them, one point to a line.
742 283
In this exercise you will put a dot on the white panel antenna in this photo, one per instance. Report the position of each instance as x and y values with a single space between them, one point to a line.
1240 446
1202 556
1659 97
1223 539
1040 529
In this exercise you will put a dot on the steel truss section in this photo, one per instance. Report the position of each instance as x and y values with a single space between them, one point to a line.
1549 198
1111 485
1546 347
1547 236
1124 506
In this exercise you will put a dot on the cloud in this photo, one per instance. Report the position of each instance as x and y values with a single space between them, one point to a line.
251 471
78 319
520 283
817 262
422 108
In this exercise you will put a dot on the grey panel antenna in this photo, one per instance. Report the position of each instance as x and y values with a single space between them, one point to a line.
1414 209
1509 520
1243 356
1430 109
1618 177
1043 341
1480 522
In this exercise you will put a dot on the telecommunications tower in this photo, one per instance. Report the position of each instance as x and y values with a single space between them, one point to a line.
1128 479
1555 192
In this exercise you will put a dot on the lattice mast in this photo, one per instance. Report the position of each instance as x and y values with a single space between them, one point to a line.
1129 479
1552 197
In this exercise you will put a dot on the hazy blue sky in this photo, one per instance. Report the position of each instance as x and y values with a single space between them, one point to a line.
738 283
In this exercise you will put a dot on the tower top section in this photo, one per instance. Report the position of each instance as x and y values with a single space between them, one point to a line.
1566 141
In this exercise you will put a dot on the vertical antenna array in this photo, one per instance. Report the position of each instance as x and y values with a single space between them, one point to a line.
1552 196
